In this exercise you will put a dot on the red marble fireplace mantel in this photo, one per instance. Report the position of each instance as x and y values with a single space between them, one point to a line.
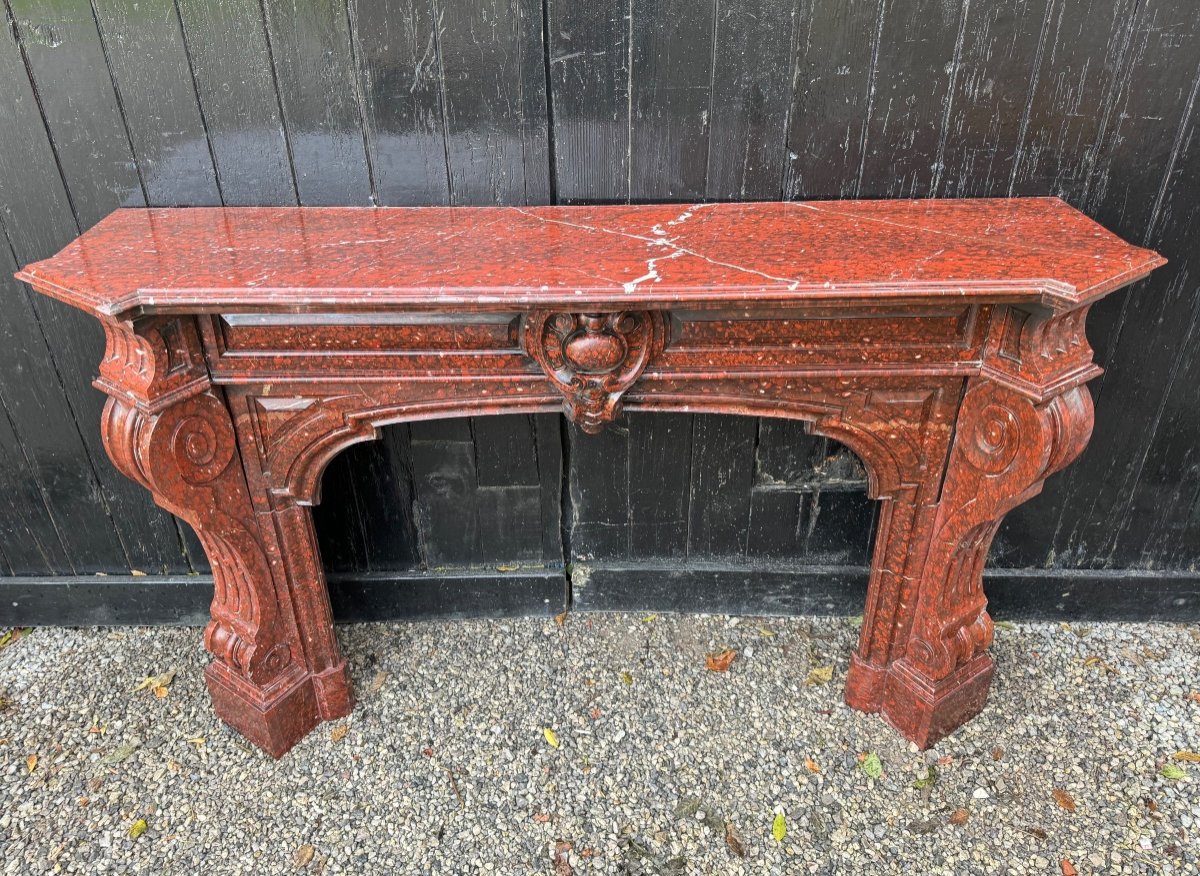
942 341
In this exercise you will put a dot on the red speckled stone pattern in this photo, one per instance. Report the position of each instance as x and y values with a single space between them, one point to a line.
942 341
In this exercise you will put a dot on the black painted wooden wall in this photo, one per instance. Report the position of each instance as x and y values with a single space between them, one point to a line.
390 102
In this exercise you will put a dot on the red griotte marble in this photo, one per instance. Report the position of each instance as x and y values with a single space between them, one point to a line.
942 341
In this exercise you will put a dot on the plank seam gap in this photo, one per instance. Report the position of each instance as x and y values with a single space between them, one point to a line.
360 102
551 149
871 84
287 139
187 54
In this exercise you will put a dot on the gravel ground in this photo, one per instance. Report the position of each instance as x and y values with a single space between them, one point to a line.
661 767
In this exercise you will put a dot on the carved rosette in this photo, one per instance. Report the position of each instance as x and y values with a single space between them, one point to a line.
593 358
1005 447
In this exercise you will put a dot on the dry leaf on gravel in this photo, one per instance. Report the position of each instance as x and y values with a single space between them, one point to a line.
1063 799
719 661
811 765
819 675
120 753
1068 869
152 682
304 855
1189 756
562 859
338 733
959 817
733 839
31 763
378 682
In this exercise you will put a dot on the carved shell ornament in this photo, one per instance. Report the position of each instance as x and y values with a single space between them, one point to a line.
593 358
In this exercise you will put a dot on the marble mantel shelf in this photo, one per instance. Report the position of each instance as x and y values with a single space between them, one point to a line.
942 341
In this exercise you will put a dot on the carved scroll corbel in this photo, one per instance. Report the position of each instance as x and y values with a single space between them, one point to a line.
1005 447
593 358
165 427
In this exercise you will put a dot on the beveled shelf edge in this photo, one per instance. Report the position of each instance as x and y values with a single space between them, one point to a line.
1050 293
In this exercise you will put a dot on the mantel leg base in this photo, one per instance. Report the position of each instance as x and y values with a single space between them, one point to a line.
865 684
274 719
926 711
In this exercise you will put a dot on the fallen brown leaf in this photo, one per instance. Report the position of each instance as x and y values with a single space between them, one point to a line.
31 763
945 760
541 818
1095 660
562 859
304 855
1068 869
959 817
150 682
819 675
719 661
1036 831
595 713
338 733
811 765
733 839
560 618
378 682
1194 696
997 753
1189 756
161 691
1063 799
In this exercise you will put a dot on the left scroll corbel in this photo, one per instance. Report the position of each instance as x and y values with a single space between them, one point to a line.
168 428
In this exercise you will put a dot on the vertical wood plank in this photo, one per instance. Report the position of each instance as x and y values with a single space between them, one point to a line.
834 88
395 43
994 73
598 483
107 522
722 472
81 109
919 48
310 47
494 89
1137 334
1071 99
28 529
231 62
753 73
660 450
671 99
548 431
590 61
143 42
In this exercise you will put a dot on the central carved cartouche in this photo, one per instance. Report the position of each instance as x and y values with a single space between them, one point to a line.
593 358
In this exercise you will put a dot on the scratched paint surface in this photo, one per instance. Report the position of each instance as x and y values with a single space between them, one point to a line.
410 102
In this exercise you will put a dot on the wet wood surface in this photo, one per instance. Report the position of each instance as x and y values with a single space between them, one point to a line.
492 102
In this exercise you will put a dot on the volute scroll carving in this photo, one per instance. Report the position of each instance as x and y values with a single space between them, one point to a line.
593 358
1005 447
166 427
